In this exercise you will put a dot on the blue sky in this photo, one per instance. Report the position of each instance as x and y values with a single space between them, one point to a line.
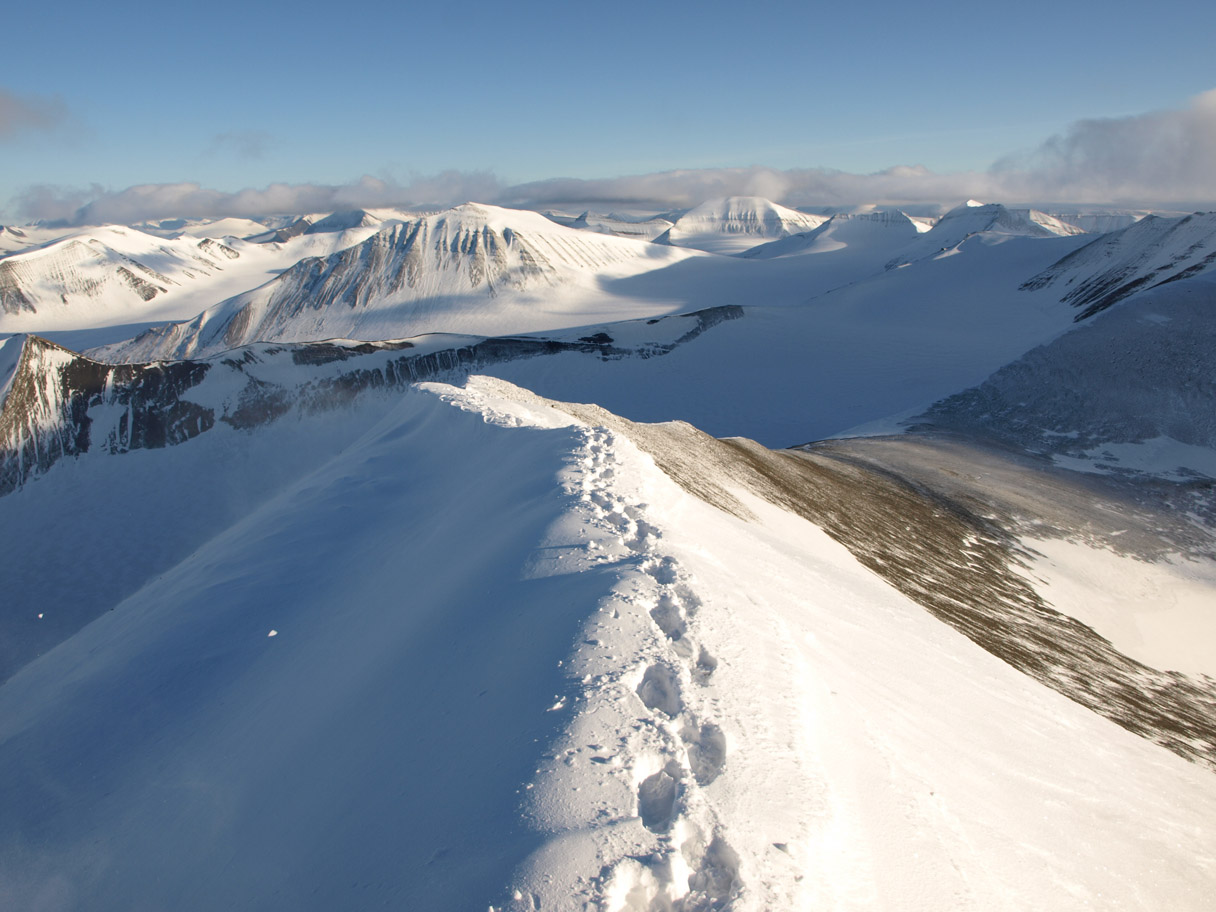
231 97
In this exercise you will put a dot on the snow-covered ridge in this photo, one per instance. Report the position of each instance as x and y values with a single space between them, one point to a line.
875 231
427 274
1150 252
992 222
114 275
1100 221
106 268
640 228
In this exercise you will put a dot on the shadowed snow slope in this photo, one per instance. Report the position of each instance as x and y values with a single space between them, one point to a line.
1130 391
472 648
10 353
876 233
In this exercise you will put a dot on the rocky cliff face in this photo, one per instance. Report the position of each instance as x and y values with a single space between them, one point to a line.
63 404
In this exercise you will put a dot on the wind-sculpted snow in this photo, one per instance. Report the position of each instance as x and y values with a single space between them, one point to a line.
64 404
417 276
1110 394
1149 253
356 624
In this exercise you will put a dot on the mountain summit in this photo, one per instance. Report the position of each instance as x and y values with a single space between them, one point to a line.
735 223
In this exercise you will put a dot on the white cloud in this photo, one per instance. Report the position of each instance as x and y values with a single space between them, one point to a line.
146 202
1163 156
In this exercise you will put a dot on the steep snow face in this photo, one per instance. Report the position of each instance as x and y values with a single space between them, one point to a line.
629 697
470 269
991 222
1129 392
737 223
1151 252
1054 225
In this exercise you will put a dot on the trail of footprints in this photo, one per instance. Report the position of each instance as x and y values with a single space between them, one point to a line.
694 750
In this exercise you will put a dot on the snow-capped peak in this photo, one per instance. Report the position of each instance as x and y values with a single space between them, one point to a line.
735 223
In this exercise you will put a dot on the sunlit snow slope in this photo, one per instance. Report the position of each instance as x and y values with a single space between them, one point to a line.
115 276
470 269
